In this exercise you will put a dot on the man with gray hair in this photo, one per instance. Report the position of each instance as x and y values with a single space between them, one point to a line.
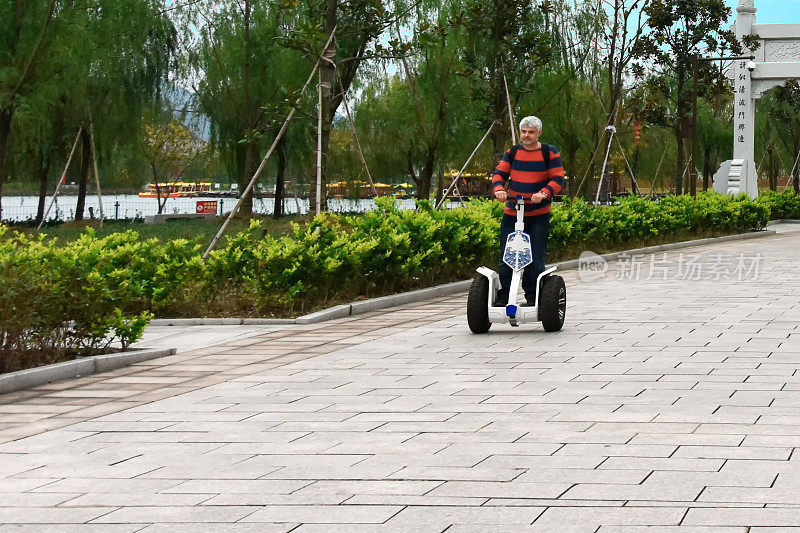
534 171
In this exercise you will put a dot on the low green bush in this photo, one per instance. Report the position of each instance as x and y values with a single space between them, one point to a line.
85 293
76 298
781 205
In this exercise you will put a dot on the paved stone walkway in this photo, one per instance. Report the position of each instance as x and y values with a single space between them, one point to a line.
666 401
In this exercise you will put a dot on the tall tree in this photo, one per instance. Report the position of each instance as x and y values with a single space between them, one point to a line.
508 42
247 79
433 83
681 30
60 59
30 58
358 23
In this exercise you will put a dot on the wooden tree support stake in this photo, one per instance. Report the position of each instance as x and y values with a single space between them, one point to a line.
453 183
63 175
263 164
96 173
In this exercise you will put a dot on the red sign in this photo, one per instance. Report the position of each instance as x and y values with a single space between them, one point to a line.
207 207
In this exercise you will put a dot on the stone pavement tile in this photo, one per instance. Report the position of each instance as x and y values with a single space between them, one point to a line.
646 491
128 499
480 489
575 475
523 462
50 515
364 528
455 473
750 495
236 486
723 478
107 486
733 452
773 440
379 487
562 518
325 514
772 517
159 514
426 500
748 429
618 450
663 463
12 485
545 502
70 528
335 472
435 517
684 439
202 527
203 471
671 529
31 499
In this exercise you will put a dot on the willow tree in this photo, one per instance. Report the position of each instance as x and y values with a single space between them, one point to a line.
435 88
507 42
248 80
358 24
34 50
61 60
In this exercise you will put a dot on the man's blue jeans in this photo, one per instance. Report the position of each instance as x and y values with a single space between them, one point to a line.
538 227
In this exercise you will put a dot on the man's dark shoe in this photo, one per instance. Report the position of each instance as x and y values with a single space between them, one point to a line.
500 302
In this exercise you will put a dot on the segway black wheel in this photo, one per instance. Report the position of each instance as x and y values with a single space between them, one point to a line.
477 305
553 303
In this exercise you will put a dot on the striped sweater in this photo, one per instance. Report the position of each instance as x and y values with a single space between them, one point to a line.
528 176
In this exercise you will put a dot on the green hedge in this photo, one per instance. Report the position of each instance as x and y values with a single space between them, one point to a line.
781 204
87 292
80 296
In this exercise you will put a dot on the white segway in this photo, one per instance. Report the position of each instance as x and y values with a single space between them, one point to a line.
551 292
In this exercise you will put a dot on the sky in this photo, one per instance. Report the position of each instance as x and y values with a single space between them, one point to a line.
772 11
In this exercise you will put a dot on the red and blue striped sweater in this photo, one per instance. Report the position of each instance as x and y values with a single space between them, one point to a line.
528 176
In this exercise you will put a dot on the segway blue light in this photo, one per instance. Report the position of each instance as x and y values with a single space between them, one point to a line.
511 310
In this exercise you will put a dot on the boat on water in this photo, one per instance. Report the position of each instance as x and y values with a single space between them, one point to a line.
176 189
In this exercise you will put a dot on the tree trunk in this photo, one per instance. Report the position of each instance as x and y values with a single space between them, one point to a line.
439 186
681 162
424 183
5 132
679 134
796 173
773 171
277 212
797 181
83 179
44 170
569 167
327 71
706 167
250 166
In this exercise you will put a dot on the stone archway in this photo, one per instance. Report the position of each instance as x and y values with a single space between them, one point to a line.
776 61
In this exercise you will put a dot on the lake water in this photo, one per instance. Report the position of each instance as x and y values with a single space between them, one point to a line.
128 206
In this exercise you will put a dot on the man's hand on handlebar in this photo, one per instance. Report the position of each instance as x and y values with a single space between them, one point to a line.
537 198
